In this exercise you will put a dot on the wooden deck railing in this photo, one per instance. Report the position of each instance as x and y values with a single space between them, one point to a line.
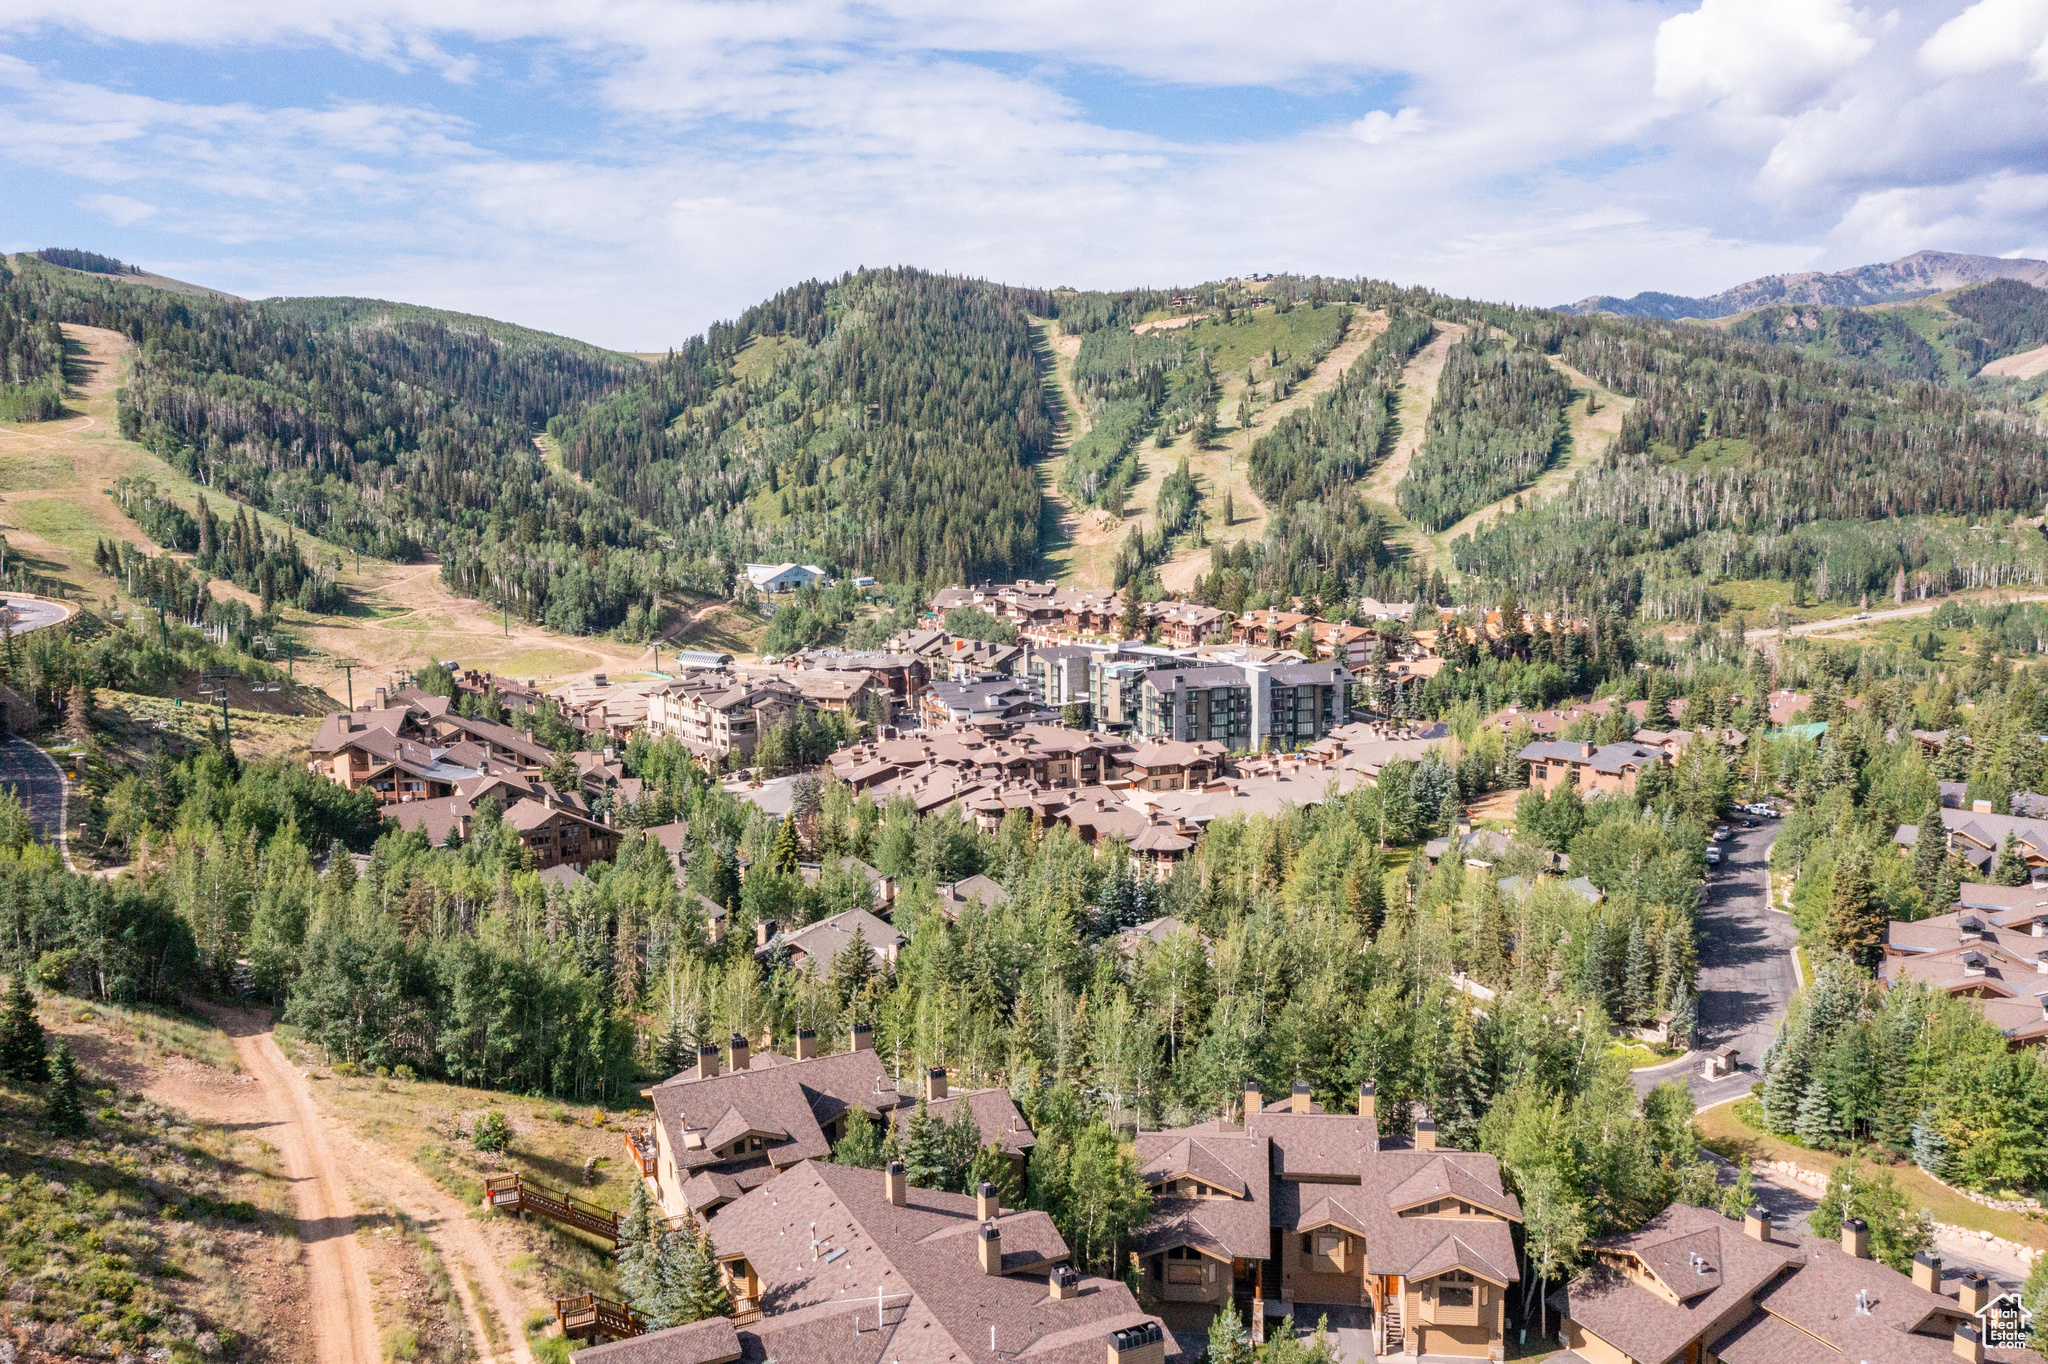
640 1146
589 1317
514 1193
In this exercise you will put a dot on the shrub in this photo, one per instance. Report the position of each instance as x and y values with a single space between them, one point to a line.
491 1133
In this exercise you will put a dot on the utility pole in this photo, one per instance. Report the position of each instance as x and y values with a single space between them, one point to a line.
219 681
348 667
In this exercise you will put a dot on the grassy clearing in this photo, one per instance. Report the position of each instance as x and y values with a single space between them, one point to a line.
159 1032
147 1233
1725 1131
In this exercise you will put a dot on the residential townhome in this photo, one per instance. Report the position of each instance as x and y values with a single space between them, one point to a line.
813 947
842 691
1991 949
719 1131
992 1111
355 751
833 1264
727 721
1301 1212
1977 834
1171 765
1697 1287
561 835
514 695
996 707
901 675
1268 625
1605 769
1183 624
1351 645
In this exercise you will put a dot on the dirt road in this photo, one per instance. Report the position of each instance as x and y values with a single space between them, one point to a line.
338 1287
316 1151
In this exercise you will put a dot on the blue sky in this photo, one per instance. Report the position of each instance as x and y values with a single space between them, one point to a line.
629 172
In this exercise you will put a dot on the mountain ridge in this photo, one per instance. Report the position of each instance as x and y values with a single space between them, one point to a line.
1898 281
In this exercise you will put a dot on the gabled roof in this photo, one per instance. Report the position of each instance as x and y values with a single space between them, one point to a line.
827 938
994 1112
796 1097
1449 1176
825 1239
1191 1158
1227 1228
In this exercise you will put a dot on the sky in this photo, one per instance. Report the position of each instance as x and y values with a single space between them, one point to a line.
629 172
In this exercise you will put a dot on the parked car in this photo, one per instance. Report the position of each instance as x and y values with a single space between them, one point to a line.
1713 857
1720 833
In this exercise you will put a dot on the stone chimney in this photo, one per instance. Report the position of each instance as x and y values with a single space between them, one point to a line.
863 1037
1756 1224
1065 1283
1367 1105
1970 1344
1425 1134
1252 1101
988 1202
935 1084
740 1054
1303 1101
1856 1238
806 1043
1974 1293
707 1062
1927 1271
991 1242
383 703
764 933
895 1184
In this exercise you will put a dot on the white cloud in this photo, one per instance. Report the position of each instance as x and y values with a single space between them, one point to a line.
1761 56
1989 35
707 153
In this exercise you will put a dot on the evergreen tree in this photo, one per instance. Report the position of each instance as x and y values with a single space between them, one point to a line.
1228 1343
1638 977
1856 917
1930 849
1685 1017
1930 1150
2011 868
639 1251
674 1051
1131 624
1657 709
1897 1233
707 1293
787 851
925 1149
1948 884
22 1055
1815 1125
962 1144
65 1104
1365 891
862 1143
853 970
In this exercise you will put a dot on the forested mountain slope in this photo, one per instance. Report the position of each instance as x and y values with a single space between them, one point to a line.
883 423
1945 339
1742 459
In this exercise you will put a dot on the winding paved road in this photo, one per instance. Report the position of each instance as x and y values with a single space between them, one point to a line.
26 770
1747 977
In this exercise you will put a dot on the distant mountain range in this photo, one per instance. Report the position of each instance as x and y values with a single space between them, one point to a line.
1914 276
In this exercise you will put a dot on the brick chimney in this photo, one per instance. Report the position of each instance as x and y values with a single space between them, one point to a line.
1065 1283
1425 1134
895 1184
1969 1344
764 932
1142 1344
806 1043
988 1202
707 1062
991 1243
863 1037
1927 1271
935 1084
1252 1101
1302 1096
1756 1224
1856 1238
1368 1106
740 1054
1974 1292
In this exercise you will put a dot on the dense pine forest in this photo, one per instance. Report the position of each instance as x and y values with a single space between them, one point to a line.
1496 424
1739 458
31 358
884 423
